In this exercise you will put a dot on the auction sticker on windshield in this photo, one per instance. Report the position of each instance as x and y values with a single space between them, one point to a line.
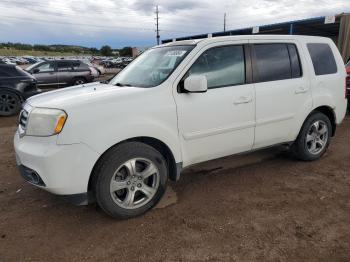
178 53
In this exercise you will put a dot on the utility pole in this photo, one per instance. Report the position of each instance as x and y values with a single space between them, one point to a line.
224 22
157 24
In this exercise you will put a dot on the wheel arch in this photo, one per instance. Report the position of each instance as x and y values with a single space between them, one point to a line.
12 90
173 167
329 112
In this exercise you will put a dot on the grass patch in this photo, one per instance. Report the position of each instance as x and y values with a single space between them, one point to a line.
15 52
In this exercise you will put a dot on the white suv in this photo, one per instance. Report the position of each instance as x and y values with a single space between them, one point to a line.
176 105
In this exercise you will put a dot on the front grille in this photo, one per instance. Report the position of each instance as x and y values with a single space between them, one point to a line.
23 118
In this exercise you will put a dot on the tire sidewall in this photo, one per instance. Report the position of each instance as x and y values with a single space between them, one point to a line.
114 159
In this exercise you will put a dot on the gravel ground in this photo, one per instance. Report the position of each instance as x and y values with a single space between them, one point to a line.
264 206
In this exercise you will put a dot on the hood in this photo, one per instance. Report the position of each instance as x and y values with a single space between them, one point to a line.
80 95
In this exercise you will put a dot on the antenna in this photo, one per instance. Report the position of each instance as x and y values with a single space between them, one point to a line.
224 22
157 24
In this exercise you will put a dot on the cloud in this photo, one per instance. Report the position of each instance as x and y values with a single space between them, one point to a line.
116 23
148 6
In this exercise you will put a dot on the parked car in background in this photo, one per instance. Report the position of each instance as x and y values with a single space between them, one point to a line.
61 73
100 69
16 85
8 61
177 105
347 67
94 72
119 62
32 60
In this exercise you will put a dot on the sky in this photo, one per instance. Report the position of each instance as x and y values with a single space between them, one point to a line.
119 23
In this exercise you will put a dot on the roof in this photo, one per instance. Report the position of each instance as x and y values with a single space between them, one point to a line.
246 37
7 65
312 26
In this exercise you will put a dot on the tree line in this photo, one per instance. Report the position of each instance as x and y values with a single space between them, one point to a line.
104 50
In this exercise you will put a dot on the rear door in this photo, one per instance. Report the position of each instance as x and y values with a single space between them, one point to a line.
64 73
283 93
47 75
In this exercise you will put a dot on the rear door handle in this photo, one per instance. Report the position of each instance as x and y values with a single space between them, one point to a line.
301 90
243 100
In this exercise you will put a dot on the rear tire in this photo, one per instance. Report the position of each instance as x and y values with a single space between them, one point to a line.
10 103
79 81
129 180
314 137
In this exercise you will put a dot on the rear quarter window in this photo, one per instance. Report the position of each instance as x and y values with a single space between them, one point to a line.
322 58
83 66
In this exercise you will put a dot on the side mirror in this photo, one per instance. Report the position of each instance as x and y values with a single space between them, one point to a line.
196 84
35 70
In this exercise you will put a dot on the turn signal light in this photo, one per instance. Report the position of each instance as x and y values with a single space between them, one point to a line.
60 124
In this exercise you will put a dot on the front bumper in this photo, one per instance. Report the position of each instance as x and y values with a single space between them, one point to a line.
63 169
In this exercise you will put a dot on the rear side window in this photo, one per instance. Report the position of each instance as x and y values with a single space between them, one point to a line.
272 62
322 58
64 66
223 66
76 65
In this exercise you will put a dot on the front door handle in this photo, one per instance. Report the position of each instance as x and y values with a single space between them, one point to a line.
243 100
301 90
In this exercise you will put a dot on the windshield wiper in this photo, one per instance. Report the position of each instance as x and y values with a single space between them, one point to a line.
120 84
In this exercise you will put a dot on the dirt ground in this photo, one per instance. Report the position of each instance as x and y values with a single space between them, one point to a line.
259 207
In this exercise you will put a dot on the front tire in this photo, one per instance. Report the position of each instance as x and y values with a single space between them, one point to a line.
130 180
314 137
10 103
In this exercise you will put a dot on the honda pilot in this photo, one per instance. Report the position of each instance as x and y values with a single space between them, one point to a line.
176 105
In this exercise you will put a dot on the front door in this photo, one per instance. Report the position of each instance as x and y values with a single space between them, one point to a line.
46 75
220 121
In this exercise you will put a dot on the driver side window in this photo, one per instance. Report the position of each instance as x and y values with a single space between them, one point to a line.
46 67
222 66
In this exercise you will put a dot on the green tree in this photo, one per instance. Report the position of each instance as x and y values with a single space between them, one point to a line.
106 50
125 51
93 50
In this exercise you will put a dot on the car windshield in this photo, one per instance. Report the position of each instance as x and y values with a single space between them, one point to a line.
32 66
152 67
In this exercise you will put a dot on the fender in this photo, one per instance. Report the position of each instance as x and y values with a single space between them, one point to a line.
114 134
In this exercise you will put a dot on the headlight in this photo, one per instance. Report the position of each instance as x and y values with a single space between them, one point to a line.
45 122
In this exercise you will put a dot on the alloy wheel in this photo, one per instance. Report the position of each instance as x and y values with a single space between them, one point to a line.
79 82
317 137
8 103
134 183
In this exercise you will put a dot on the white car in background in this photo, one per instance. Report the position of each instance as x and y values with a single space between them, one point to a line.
177 105
100 70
